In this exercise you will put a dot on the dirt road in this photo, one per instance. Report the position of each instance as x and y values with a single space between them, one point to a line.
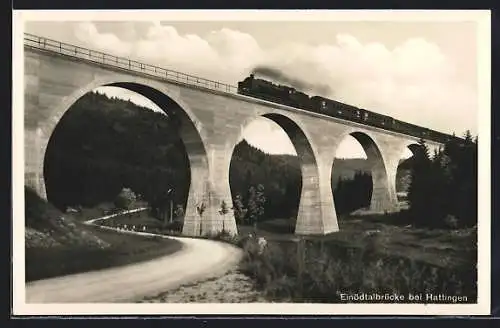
199 259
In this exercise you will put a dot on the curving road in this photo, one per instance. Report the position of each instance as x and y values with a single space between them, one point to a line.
198 259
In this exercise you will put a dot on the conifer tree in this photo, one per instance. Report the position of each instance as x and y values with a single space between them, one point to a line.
420 185
239 209
256 202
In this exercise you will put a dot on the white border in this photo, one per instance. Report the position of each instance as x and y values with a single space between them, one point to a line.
481 17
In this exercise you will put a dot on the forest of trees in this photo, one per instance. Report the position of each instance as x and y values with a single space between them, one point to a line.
103 145
351 194
443 187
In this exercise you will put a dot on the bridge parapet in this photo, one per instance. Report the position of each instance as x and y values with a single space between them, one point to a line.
67 49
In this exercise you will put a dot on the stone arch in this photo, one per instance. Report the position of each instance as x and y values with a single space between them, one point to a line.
310 216
381 199
190 131
298 136
149 89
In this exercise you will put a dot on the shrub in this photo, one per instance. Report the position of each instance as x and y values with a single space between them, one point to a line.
38 212
125 199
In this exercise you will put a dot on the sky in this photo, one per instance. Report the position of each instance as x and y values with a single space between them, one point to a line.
423 72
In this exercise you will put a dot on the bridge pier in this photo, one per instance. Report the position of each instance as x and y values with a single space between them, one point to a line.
384 189
392 155
209 188
317 215
35 144
383 176
196 196
384 197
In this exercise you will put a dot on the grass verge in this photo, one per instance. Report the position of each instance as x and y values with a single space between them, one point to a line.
372 255
123 249
329 272
58 244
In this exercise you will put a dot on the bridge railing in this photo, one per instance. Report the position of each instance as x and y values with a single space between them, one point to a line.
38 42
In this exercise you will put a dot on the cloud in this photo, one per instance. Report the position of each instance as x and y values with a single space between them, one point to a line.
225 55
414 81
87 33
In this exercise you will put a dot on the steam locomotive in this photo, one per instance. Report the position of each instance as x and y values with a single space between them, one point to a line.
282 94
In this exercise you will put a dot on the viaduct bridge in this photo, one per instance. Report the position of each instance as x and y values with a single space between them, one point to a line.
212 117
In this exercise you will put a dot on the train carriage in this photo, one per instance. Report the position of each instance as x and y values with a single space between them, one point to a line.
379 120
442 137
336 109
408 128
297 99
289 96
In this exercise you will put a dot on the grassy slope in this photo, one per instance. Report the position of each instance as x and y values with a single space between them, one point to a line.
47 227
436 247
57 244
123 250
367 255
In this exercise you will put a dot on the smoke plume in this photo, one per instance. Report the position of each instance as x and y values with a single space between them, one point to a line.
279 76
